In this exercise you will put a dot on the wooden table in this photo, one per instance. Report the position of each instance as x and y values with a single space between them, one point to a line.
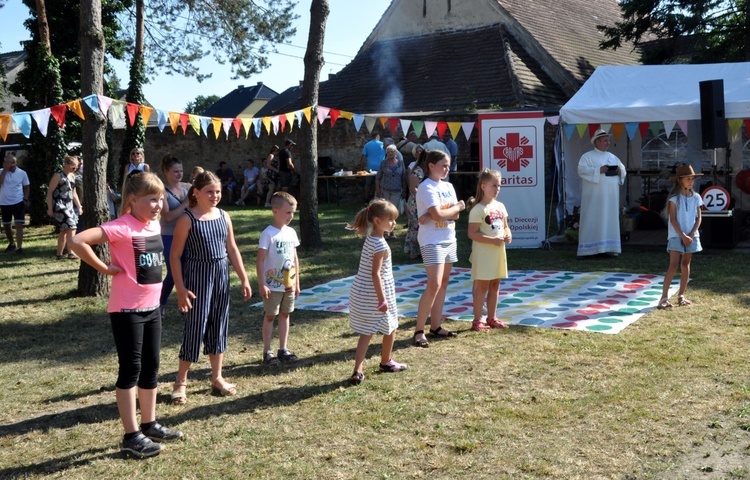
336 179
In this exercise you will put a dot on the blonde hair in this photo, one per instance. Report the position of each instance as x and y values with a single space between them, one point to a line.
201 180
484 176
139 150
139 184
279 198
377 208
70 159
196 171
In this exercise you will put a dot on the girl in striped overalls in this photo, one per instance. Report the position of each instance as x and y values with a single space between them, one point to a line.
202 281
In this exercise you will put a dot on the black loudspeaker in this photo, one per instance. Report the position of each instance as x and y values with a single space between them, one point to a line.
713 124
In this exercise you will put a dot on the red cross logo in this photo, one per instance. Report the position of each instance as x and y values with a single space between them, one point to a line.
513 152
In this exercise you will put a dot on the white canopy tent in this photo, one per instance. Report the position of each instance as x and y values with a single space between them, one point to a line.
643 93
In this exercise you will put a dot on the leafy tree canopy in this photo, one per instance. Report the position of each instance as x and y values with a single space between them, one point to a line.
692 31
241 32
201 104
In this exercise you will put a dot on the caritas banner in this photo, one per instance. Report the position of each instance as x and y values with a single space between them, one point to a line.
514 144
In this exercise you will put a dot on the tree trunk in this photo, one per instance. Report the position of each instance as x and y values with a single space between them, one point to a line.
41 18
747 31
308 204
95 209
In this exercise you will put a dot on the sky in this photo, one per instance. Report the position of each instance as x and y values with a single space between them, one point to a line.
349 24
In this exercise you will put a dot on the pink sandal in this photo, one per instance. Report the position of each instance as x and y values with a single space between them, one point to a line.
495 323
479 326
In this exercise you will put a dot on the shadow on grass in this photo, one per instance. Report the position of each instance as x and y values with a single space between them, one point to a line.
63 420
57 465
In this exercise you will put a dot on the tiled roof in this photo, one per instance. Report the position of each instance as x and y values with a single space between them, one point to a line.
566 30
451 70
234 103
12 63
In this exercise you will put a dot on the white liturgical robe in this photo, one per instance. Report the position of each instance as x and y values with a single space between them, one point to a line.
599 230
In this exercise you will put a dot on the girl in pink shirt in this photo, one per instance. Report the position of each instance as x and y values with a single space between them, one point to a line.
136 268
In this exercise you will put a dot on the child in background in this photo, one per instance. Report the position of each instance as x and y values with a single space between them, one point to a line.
206 236
277 267
437 209
196 171
683 238
372 300
136 268
489 232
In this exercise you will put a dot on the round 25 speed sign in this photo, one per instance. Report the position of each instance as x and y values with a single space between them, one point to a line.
715 199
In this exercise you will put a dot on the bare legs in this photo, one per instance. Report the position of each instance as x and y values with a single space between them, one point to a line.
126 406
433 298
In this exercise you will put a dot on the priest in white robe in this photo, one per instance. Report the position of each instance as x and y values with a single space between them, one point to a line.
602 174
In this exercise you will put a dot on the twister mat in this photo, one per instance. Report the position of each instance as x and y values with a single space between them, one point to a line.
593 301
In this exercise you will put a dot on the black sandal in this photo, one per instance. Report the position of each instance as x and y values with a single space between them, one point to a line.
441 332
357 378
270 360
286 356
422 342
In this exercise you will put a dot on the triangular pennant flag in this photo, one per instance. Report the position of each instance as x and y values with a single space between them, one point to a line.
384 121
370 123
237 124
734 126
195 122
593 127
668 127
418 126
581 128
275 123
568 129
132 110
298 115
346 115
104 104
631 128
683 124
656 128
226 123
41 117
441 127
58 113
468 128
184 119
290 120
246 122
267 124
282 122
75 107
307 111
617 130
117 114
205 122
322 113
553 120
23 122
643 128
92 102
747 126
145 113
162 119
429 127
405 124
606 127
393 125
216 123
334 115
174 120
358 119
4 126
454 127
256 125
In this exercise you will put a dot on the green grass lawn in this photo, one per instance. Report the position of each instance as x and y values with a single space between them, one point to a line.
518 403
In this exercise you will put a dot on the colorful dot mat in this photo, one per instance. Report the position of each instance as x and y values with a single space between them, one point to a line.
591 301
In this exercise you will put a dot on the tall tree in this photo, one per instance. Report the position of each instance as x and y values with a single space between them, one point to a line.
135 134
691 31
308 205
90 281
201 104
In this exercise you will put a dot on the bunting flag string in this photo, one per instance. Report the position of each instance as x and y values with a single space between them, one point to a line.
120 112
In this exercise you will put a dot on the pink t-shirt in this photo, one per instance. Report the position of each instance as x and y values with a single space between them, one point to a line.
137 249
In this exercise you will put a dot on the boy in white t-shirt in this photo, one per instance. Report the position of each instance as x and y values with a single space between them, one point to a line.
277 268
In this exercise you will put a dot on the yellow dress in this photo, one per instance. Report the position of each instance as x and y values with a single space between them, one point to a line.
488 262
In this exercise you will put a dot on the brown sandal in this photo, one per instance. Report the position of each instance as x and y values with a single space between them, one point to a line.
664 304
683 302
